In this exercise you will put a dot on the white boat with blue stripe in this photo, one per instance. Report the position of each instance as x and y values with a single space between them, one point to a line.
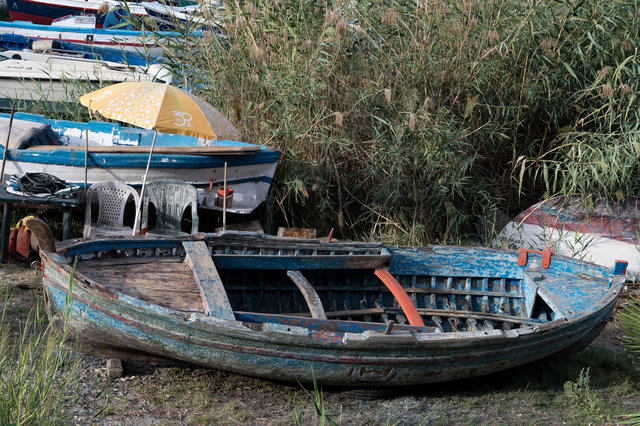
119 153
82 29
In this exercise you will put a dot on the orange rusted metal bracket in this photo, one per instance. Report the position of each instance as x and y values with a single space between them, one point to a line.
546 256
401 296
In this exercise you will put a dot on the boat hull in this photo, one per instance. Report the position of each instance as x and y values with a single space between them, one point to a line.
45 12
111 331
135 41
248 174
33 85
113 54
109 323
249 178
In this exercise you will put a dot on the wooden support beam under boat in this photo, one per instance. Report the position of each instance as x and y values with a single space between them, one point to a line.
214 296
401 296
309 293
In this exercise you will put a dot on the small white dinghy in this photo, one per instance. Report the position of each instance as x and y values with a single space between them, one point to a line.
596 233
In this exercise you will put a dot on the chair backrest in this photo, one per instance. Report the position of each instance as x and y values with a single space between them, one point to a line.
170 197
112 200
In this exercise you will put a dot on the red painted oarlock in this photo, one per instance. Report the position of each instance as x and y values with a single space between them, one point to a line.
546 256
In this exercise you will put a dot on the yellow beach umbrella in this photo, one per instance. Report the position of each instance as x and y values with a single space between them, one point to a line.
162 107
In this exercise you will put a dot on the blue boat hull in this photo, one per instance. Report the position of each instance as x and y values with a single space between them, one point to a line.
18 42
249 175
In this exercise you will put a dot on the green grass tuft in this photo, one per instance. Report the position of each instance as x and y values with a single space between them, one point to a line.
39 374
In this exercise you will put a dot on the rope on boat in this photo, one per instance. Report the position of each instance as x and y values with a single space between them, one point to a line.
43 185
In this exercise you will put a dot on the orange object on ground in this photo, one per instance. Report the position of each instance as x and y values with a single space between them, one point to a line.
401 296
221 192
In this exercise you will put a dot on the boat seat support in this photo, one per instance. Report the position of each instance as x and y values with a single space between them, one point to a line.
214 296
309 293
407 306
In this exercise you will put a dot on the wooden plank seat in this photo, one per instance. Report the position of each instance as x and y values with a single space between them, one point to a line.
300 262
153 280
214 296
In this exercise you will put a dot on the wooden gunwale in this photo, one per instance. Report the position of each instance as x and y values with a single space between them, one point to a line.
167 150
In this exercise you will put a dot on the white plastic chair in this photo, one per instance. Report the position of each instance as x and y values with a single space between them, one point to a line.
112 200
170 198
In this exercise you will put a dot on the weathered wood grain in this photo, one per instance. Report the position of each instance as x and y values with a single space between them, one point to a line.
42 233
310 295
124 261
298 262
214 296
165 284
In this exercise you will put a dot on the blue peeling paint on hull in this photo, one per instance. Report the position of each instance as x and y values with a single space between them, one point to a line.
288 347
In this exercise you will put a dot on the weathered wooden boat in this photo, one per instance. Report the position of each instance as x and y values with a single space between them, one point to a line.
27 76
595 232
353 314
119 153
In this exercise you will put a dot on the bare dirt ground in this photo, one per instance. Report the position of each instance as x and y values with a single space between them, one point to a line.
180 394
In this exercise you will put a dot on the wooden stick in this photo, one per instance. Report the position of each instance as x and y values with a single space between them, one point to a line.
224 199
136 221
6 143
447 313
86 150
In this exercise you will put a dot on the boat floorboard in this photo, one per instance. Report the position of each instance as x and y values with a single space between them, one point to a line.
162 283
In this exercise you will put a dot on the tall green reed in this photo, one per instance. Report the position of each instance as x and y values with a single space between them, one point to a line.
419 122
424 121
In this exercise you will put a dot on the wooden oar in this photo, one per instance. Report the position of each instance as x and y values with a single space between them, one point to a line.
6 143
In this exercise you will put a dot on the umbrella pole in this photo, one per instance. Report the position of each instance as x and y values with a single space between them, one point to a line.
86 156
136 221
6 144
224 198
